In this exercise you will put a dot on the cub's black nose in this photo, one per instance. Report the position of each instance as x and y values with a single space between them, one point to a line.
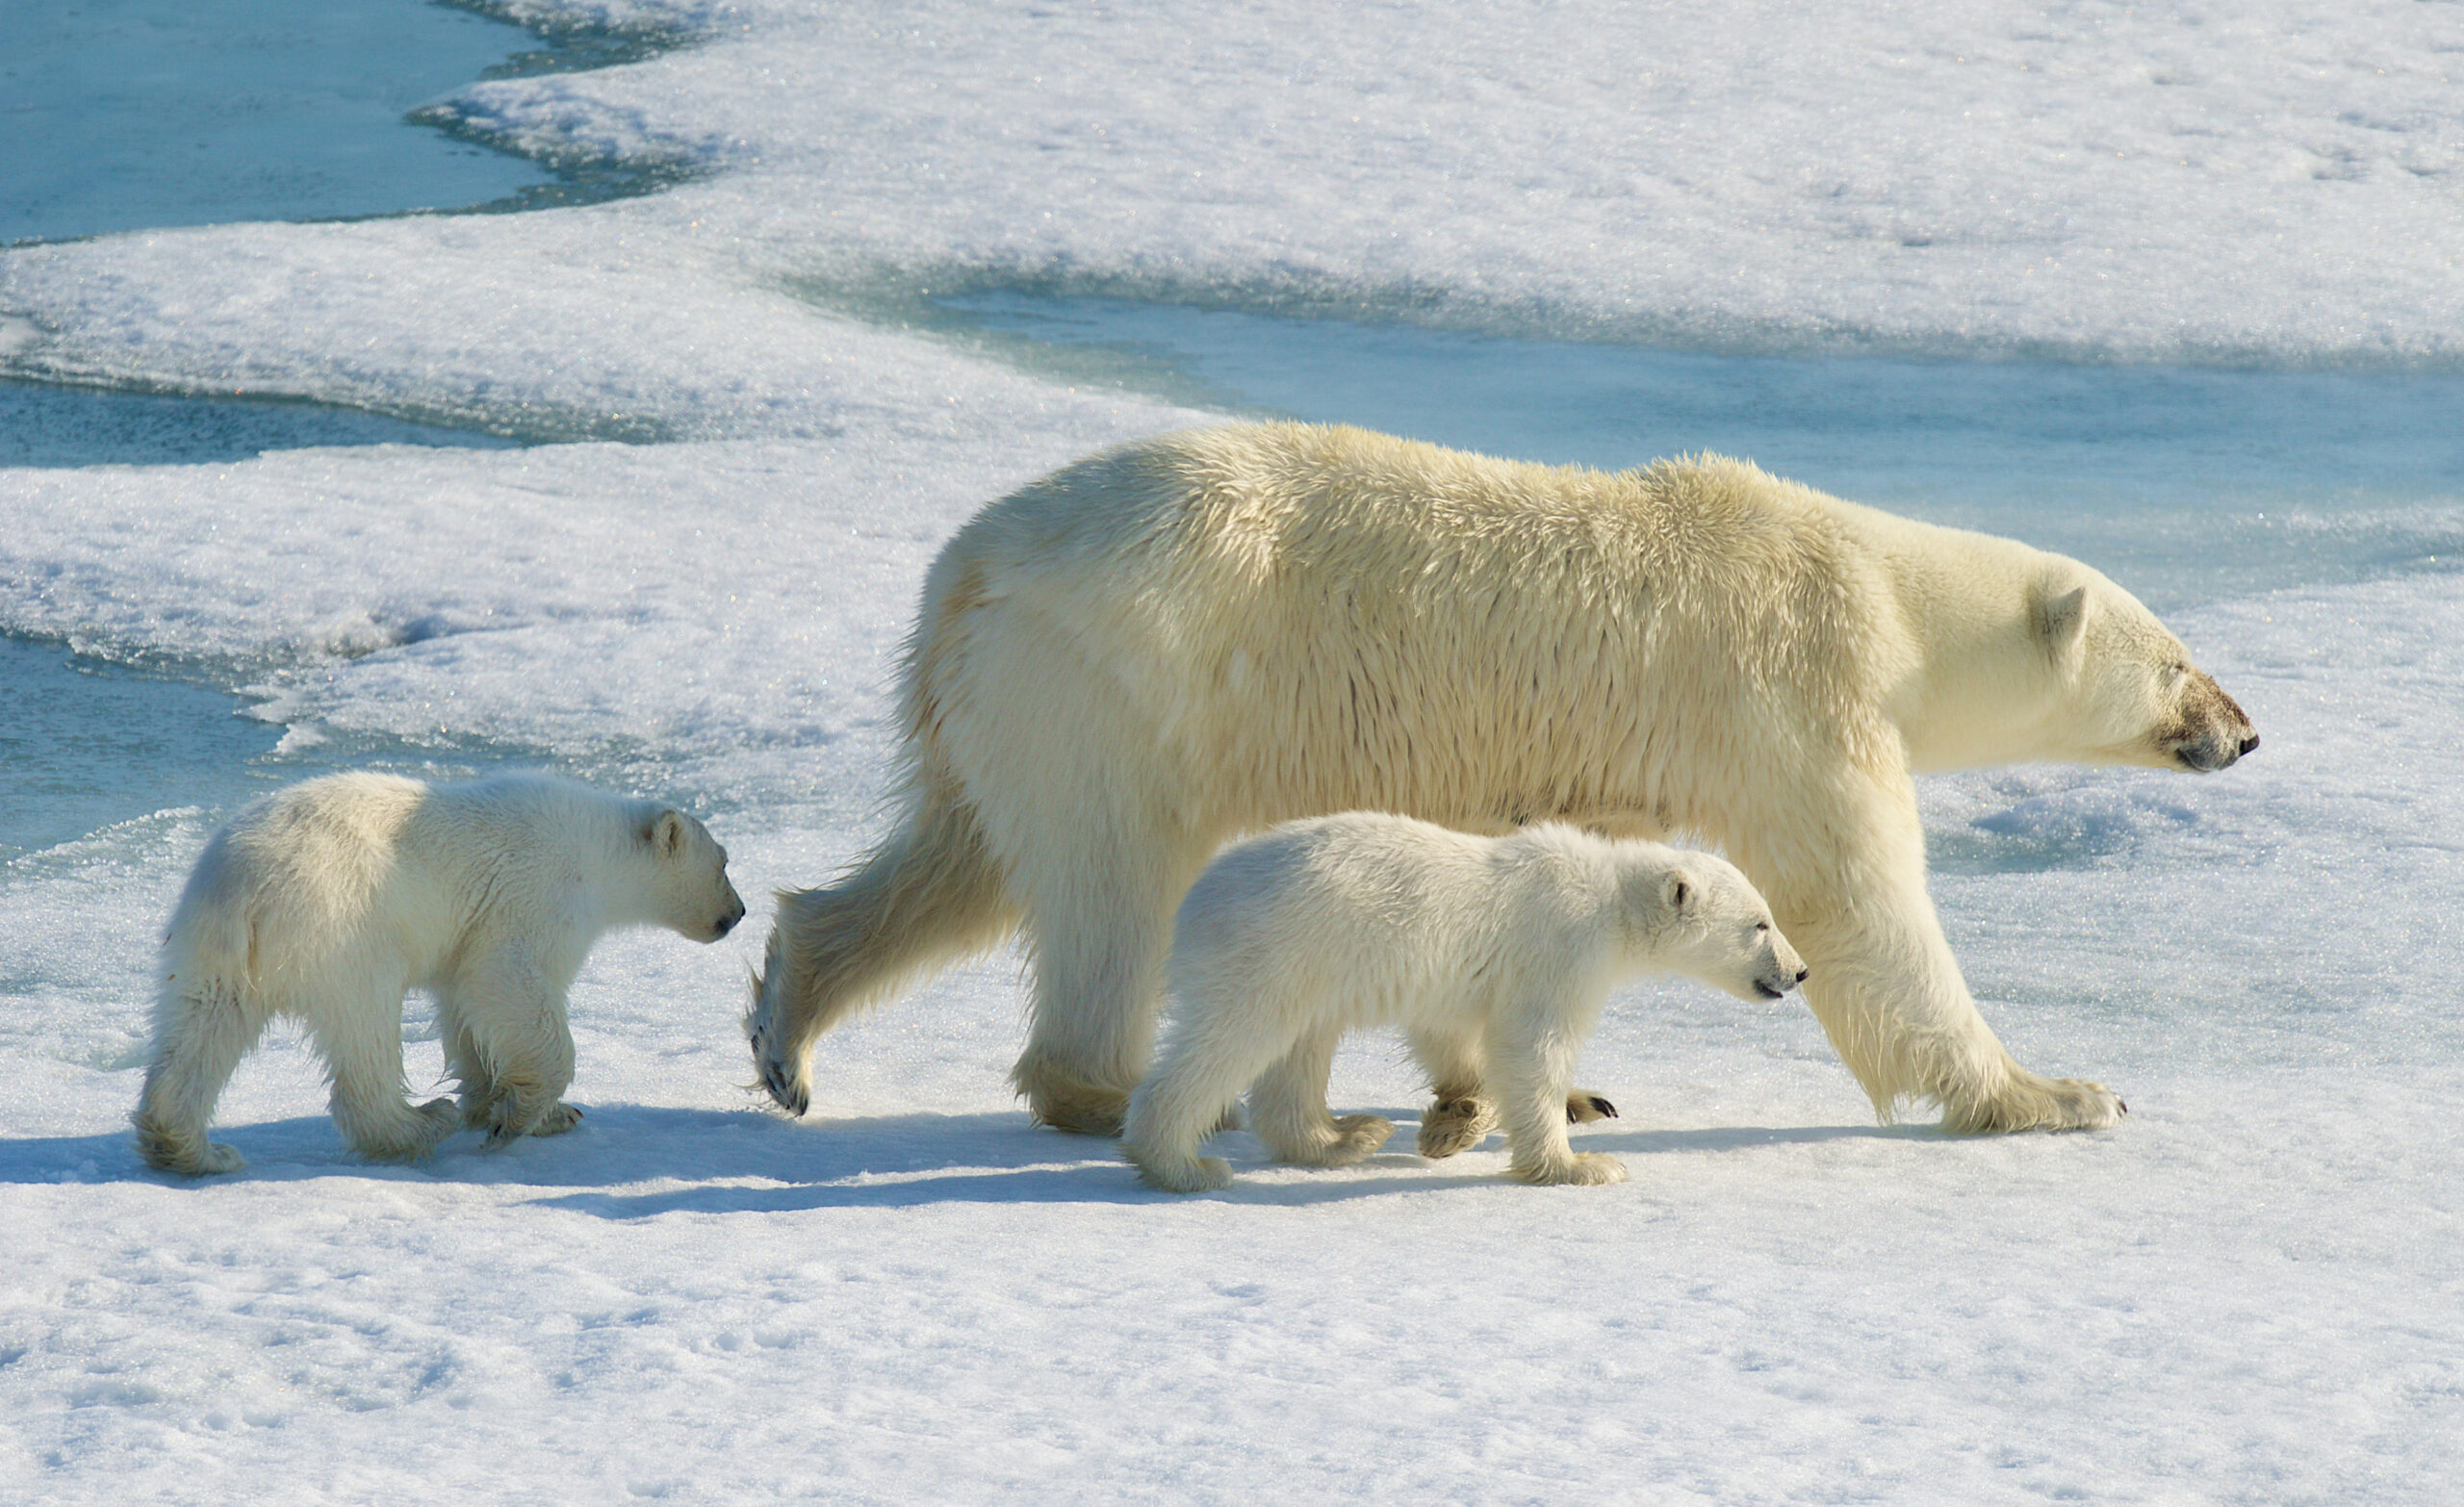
2249 743
728 923
1801 974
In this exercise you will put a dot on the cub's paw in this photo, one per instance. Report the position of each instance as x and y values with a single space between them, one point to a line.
523 1115
1583 1169
1453 1125
1582 1107
169 1149
1180 1174
560 1118
1358 1138
412 1140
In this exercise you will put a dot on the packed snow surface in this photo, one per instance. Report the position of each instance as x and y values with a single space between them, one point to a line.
2250 1291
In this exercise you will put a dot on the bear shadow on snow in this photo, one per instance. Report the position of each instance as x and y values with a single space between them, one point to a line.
885 1162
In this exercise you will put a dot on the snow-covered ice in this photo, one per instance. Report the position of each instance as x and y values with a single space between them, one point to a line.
2251 1292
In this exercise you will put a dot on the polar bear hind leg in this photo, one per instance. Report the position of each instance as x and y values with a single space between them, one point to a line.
1288 1108
929 895
205 1030
1197 1078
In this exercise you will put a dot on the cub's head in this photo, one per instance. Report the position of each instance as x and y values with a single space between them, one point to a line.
2126 692
694 898
1694 914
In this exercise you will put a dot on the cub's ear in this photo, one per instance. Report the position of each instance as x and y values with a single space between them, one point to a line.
2060 617
1676 891
666 833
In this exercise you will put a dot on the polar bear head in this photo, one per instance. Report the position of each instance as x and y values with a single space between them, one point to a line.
2122 688
2028 655
691 893
1694 914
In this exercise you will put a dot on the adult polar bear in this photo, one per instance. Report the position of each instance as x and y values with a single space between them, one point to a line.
1170 642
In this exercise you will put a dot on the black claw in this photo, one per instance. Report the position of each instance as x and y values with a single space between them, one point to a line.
1607 1110
2125 1107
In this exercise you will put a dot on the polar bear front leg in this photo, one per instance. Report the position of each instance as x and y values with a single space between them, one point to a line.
510 1014
360 1037
1531 1047
1099 907
1887 990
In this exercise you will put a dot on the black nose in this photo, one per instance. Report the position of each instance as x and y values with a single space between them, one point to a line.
2249 743
728 923
1800 976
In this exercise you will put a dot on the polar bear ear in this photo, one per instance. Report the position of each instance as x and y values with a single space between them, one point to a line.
1676 891
666 833
2060 617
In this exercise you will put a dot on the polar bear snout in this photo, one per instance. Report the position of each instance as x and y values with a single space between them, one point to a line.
1776 985
728 918
2212 732
1782 971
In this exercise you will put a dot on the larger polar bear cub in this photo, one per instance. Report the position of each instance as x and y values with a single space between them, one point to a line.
1494 953
330 900
1141 656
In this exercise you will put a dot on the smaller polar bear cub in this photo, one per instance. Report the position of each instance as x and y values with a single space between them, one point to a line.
327 901
1494 953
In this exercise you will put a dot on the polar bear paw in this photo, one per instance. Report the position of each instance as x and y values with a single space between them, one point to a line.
1063 1102
2027 1102
1180 1174
167 1149
1583 1169
511 1123
1357 1137
560 1118
1582 1107
1453 1125
786 1080
414 1137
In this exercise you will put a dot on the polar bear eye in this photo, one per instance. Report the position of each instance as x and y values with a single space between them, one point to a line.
1763 926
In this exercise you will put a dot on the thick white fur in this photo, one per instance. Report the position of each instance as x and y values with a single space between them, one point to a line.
1127 663
1494 955
328 899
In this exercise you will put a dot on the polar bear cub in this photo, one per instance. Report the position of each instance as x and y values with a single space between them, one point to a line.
328 899
1494 953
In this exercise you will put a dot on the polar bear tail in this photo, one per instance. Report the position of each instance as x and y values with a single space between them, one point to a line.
932 894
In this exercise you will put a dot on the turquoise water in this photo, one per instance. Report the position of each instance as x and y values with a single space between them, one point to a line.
84 744
46 425
132 115
129 114
2186 484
